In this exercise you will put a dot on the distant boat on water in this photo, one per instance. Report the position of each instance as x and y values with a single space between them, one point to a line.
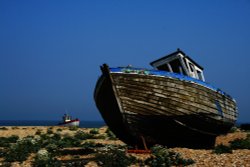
68 121
170 105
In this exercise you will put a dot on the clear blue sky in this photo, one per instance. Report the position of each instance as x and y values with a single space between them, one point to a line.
50 51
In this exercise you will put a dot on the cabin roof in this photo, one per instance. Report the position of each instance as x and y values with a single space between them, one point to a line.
175 53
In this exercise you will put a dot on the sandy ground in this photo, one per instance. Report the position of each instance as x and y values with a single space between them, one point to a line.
201 157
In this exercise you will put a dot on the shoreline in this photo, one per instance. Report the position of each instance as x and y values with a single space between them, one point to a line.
83 124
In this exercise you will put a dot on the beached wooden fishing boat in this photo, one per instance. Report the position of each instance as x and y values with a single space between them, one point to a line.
170 105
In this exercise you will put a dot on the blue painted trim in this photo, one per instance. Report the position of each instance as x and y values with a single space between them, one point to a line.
166 74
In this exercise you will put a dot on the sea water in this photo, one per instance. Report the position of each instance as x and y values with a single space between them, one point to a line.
83 124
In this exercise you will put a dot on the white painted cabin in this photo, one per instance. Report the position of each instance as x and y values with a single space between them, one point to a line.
179 62
66 118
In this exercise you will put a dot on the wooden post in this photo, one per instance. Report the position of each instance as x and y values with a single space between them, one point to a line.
144 143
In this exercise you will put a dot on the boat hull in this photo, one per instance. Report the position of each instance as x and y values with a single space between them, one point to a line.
70 123
139 106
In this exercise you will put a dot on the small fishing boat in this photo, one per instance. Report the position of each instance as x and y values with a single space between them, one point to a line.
68 121
170 105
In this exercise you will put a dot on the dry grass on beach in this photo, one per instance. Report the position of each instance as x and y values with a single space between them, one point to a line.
202 157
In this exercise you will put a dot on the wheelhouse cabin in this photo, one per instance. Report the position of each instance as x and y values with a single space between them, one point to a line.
179 62
66 118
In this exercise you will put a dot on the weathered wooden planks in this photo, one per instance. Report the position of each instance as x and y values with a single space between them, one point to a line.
156 92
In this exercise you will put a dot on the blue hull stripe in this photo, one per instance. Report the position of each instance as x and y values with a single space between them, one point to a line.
166 74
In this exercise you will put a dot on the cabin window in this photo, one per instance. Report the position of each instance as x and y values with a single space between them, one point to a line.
177 67
163 67
191 67
199 75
